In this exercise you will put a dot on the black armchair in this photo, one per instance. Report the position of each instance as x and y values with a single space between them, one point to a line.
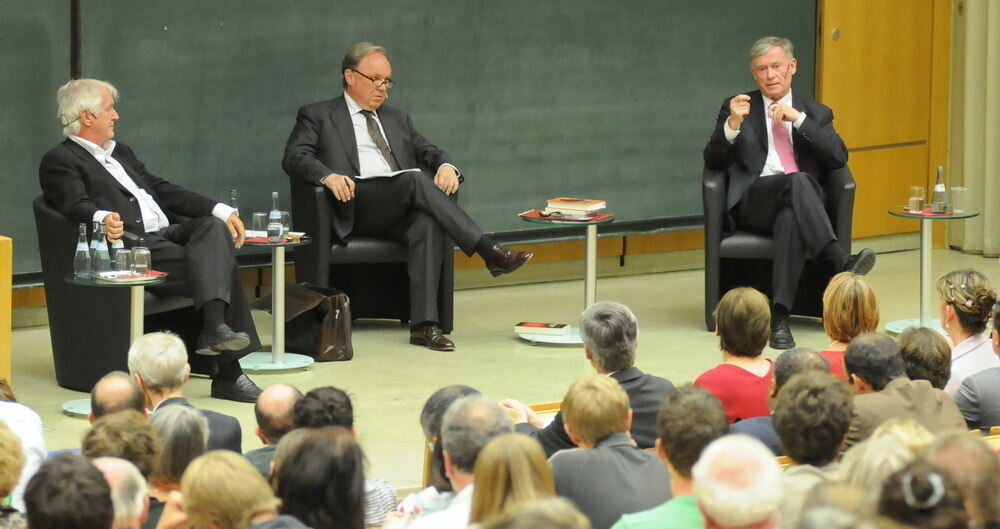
744 259
370 270
89 326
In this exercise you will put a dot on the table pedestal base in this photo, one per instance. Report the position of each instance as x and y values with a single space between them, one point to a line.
264 362
897 327
77 407
570 338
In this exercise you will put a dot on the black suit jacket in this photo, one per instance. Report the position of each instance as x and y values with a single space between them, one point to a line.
645 393
323 142
77 185
224 432
818 147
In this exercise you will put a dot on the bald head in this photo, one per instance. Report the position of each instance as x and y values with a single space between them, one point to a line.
128 491
115 392
274 411
737 482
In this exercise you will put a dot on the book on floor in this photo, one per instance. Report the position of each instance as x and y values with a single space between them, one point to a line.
537 327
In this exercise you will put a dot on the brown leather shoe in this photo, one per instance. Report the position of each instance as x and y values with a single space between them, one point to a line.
432 337
503 261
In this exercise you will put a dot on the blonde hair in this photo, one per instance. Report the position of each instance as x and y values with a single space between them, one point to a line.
908 432
972 295
550 513
849 307
743 322
595 407
869 463
11 459
511 469
222 487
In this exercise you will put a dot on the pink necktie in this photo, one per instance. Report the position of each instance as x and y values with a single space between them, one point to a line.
783 145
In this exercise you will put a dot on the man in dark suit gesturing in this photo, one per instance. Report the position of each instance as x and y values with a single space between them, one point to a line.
91 178
775 148
351 144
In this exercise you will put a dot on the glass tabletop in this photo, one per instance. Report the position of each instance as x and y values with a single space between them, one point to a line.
904 212
98 282
604 220
286 244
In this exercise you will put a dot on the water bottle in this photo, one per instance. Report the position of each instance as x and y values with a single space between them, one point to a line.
94 239
939 200
81 260
274 228
234 201
102 259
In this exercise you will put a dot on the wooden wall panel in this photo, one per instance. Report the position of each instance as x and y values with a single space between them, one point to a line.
884 177
6 267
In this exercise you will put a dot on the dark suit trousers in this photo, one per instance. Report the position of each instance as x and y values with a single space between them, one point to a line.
790 208
409 208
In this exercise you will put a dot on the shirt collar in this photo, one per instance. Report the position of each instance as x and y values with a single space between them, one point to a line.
352 106
95 149
785 99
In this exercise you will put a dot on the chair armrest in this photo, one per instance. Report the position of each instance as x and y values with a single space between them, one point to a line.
311 214
713 194
839 188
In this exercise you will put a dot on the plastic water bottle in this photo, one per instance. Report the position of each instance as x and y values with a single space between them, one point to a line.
939 200
94 239
274 227
81 260
102 258
234 201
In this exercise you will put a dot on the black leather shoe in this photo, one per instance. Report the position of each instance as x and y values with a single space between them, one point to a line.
221 339
781 335
861 263
241 390
500 260
432 337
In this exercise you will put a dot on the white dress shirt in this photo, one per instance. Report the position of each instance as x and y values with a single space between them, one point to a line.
455 516
968 357
27 426
153 217
772 165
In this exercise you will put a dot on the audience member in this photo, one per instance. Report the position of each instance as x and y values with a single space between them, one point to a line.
907 432
737 484
922 495
975 469
743 379
158 361
322 482
869 463
811 416
548 513
849 309
27 426
875 370
967 300
978 398
129 498
222 490
126 435
926 355
788 364
510 470
839 495
607 476
609 332
11 463
273 411
330 406
430 423
833 518
115 392
182 433
68 492
690 418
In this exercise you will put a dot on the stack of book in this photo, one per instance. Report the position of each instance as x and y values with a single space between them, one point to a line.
579 208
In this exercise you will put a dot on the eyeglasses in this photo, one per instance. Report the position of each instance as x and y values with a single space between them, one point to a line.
379 83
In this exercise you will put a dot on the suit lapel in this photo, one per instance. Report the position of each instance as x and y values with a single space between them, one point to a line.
94 167
394 135
345 129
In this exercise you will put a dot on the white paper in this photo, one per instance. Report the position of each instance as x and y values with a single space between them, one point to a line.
387 175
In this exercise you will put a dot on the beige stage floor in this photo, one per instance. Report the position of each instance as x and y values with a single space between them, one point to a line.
389 379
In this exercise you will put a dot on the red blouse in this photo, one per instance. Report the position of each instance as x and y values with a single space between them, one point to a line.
743 394
836 360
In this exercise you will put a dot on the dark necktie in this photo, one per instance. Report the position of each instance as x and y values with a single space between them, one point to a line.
379 140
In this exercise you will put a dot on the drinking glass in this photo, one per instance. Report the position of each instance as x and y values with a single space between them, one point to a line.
123 260
286 223
916 200
259 222
958 198
141 263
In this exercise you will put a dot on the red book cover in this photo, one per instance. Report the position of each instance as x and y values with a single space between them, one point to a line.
577 204
537 327
539 214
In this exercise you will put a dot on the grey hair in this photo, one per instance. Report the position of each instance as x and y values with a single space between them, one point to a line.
183 435
356 54
128 495
737 481
161 359
79 95
764 45
467 426
609 331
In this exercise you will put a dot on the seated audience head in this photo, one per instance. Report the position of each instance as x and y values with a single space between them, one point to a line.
11 460
6 391
737 483
869 463
547 513
126 435
872 360
511 469
79 97
690 418
811 417
467 426
793 362
743 322
923 495
926 355
324 406
839 495
967 300
159 363
827 517
430 422
288 445
908 432
129 497
849 307
273 411
68 492
975 469
115 392
595 407
222 490
609 332
322 481
183 436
